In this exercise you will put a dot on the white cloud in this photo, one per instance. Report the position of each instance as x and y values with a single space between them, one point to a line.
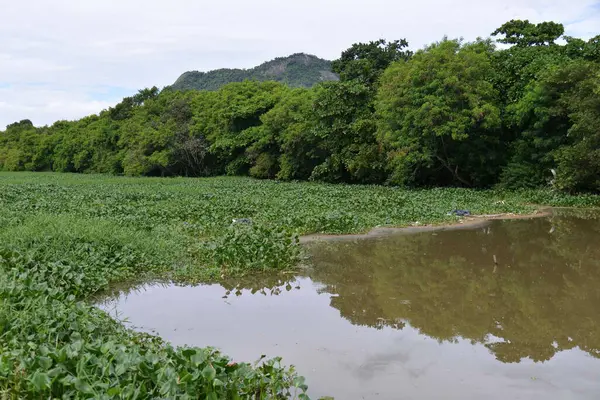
41 103
74 45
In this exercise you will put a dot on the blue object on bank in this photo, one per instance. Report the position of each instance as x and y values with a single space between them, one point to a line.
461 213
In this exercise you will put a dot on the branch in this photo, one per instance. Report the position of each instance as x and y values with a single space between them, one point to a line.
453 172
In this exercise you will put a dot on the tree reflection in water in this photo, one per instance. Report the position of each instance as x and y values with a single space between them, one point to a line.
525 289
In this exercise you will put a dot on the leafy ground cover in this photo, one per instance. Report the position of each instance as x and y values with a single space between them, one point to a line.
64 238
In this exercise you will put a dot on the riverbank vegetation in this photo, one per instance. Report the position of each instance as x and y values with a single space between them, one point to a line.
67 237
451 114
520 122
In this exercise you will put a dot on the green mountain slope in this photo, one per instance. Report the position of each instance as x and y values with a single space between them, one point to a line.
297 70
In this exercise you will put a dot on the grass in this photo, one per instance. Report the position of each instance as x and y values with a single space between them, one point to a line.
64 238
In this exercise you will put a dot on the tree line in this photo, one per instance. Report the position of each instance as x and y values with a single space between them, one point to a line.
520 109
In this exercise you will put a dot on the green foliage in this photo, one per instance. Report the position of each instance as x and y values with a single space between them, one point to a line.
233 122
288 130
344 114
66 237
367 61
70 241
125 108
518 66
440 116
346 127
23 147
249 247
297 70
265 166
453 114
524 33
559 117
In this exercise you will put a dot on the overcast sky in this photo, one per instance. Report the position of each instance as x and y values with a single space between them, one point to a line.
64 59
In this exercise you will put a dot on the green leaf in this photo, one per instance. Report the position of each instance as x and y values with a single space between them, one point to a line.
185 377
189 352
40 381
83 386
299 381
45 362
209 373
54 372
198 358
212 396
120 369
168 387
218 383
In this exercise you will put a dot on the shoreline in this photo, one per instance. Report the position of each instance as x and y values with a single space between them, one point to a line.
471 222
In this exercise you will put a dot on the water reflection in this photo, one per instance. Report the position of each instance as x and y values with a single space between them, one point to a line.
508 310
525 289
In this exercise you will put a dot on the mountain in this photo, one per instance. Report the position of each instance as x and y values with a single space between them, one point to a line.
297 70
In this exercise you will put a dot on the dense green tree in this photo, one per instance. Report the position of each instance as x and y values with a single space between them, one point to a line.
524 33
190 155
559 117
21 147
287 147
579 48
535 127
367 61
346 126
86 145
230 119
345 113
126 107
533 51
440 116
523 115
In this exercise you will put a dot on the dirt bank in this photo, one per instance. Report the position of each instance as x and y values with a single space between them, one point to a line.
470 222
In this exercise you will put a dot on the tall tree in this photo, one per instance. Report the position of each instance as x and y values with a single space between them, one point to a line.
230 120
345 113
440 116
286 145
534 49
559 118
367 61
524 33
19 146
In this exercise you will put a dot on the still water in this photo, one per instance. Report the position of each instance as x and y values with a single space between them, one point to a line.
509 310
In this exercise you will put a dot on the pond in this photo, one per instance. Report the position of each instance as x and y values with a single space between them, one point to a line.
505 310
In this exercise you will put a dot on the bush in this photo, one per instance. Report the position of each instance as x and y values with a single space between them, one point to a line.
265 166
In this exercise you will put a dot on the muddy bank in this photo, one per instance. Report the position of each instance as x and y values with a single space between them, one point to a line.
470 222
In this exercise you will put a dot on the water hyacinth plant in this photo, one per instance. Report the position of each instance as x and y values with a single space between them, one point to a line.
66 238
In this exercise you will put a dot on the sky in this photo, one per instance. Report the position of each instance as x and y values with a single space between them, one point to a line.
64 59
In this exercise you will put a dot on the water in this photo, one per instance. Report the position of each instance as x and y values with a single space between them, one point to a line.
510 310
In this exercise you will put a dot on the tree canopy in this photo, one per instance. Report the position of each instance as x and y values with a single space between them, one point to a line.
440 116
457 113
524 33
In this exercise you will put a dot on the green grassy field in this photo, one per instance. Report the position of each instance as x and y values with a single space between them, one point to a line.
64 238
